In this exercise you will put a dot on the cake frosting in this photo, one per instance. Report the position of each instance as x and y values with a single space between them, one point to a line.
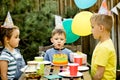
60 59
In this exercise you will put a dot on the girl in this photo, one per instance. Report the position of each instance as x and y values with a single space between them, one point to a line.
11 60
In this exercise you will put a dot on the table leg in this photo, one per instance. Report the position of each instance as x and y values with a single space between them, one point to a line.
71 78
51 70
61 67
82 78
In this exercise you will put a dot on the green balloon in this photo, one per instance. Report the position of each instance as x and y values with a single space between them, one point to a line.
70 36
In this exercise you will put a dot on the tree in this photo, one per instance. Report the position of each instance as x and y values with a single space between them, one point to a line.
35 23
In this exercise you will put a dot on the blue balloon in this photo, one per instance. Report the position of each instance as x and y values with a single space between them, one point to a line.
83 4
70 36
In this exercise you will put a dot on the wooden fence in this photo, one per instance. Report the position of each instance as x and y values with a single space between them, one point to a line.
87 42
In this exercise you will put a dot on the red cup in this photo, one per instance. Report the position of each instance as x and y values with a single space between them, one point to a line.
78 59
73 69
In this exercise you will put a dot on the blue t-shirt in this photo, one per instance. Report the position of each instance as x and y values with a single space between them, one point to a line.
50 52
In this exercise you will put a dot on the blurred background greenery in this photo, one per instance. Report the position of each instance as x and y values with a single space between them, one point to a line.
35 20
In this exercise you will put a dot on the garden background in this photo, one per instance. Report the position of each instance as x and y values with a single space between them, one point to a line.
36 20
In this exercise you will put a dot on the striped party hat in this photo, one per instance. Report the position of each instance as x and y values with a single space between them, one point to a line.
104 9
8 21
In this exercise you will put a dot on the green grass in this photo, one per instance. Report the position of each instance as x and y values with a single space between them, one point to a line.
118 67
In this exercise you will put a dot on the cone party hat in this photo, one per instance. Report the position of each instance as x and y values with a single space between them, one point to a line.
104 9
8 21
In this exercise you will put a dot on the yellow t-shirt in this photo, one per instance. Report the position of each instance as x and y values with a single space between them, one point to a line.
105 55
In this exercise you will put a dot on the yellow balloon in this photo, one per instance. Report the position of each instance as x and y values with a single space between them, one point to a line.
81 23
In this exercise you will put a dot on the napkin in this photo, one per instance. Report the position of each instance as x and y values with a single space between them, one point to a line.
52 76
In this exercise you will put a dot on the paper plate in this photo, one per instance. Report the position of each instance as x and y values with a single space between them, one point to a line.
32 62
27 69
83 68
45 62
24 68
67 74
36 62
59 64
30 70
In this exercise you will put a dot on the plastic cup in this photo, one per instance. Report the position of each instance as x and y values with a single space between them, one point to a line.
32 65
78 59
73 69
38 59
40 69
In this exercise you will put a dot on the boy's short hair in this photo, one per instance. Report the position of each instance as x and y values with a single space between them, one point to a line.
58 31
102 19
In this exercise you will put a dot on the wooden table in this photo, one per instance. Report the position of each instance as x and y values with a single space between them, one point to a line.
54 70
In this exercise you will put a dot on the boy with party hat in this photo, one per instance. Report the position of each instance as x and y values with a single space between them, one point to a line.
103 65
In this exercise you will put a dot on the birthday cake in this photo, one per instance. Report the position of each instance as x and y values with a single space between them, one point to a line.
60 59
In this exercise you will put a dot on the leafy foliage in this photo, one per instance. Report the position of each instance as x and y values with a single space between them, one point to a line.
70 12
35 25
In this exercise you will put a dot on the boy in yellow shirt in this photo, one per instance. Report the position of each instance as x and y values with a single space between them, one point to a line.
103 66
